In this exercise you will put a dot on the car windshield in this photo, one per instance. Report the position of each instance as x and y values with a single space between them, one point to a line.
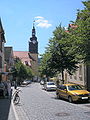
75 87
51 83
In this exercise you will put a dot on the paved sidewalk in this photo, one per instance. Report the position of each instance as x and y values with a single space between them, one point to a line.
7 109
19 111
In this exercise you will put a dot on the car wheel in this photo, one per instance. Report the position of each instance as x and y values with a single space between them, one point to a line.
70 99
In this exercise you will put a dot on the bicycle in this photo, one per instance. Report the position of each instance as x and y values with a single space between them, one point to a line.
16 97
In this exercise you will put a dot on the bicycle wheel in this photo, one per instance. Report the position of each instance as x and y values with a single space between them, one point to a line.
16 100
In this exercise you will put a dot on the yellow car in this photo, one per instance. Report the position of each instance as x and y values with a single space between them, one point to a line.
72 92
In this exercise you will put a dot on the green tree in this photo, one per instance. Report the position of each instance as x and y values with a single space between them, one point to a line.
62 57
44 69
59 56
29 74
21 72
83 32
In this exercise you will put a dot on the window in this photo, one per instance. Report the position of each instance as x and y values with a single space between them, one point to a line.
0 62
75 76
51 83
80 77
62 87
65 76
70 76
75 87
0 45
80 69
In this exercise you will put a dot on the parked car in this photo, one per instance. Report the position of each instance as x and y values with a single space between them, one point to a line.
72 92
50 86
26 82
29 81
42 82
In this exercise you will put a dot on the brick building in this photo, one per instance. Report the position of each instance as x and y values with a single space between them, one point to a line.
2 41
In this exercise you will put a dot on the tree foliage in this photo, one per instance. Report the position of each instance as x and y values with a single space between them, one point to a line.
67 48
21 71
44 69
59 56
62 57
83 31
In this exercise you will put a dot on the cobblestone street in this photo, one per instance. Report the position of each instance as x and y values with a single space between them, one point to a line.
38 104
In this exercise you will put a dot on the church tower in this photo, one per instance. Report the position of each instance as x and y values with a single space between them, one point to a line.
33 51
33 44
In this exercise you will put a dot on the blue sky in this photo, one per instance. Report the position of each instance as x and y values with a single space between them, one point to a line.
17 18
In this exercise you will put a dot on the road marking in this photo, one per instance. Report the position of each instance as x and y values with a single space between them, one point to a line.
16 116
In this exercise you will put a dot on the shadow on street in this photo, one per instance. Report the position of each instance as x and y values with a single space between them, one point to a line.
75 102
4 108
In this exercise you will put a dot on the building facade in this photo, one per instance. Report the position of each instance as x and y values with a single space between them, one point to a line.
9 57
23 56
2 41
81 76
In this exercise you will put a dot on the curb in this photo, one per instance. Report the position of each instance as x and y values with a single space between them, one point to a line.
15 113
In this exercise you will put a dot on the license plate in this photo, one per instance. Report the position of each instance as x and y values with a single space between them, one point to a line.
84 97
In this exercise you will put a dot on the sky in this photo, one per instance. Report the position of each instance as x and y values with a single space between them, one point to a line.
17 18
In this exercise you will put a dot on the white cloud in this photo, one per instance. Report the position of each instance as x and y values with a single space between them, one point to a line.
42 22
38 21
44 25
39 17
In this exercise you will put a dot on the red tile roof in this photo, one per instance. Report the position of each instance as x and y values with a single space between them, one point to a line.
24 57
72 25
67 31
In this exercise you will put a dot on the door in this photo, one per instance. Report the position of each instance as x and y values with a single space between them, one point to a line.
63 91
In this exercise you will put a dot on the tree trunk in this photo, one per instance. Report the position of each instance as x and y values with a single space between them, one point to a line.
62 76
